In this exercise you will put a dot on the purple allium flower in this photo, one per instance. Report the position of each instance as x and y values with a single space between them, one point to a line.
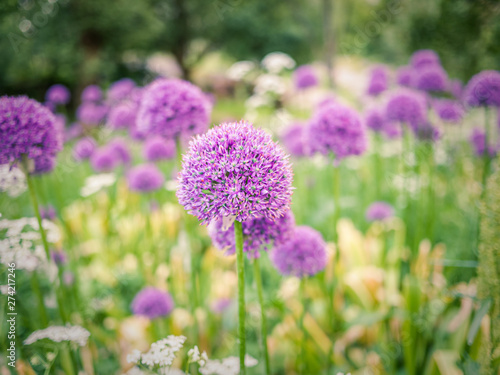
121 149
404 76
173 108
58 256
425 131
424 58
84 149
158 148
483 89
305 77
375 119
44 164
406 106
73 131
257 234
123 115
26 128
379 211
378 81
449 110
91 113
295 140
92 93
104 159
478 141
327 100
145 178
219 305
120 90
152 303
237 171
337 129
431 78
392 130
58 94
456 87
48 212
304 254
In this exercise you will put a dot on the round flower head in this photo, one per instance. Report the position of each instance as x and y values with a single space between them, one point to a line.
173 108
404 76
455 87
275 62
91 93
104 159
120 90
379 211
58 94
449 110
424 58
304 77
44 164
374 119
295 140
478 141
158 148
84 149
73 131
337 129
425 131
152 303
304 254
121 149
26 128
483 89
406 106
257 234
91 113
145 178
235 171
123 115
431 78
378 81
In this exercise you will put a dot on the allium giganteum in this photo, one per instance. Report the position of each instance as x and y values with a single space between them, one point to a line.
27 129
235 170
173 108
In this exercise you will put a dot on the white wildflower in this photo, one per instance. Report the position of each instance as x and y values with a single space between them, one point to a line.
74 334
134 357
269 83
275 62
227 366
161 353
256 101
12 181
239 70
195 356
97 182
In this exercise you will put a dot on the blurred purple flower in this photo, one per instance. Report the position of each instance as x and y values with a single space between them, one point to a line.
152 303
406 106
404 76
120 90
449 110
295 140
73 131
121 149
90 113
158 148
58 257
44 164
145 178
48 212
58 95
456 87
304 254
425 131
68 278
478 141
235 170
257 234
92 93
84 148
379 211
173 108
375 119
483 89
424 58
220 305
378 82
104 159
304 77
337 129
431 78
123 115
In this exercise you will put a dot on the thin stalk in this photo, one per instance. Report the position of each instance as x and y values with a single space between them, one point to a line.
486 154
179 154
302 363
336 199
378 167
240 268
258 282
35 285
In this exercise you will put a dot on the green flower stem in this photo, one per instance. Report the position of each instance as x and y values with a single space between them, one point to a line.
67 361
178 150
258 282
35 285
378 166
302 361
486 154
336 199
240 267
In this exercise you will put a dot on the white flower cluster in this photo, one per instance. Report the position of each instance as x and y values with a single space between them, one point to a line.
12 181
162 353
226 366
239 70
275 62
76 334
97 182
269 84
195 356
18 242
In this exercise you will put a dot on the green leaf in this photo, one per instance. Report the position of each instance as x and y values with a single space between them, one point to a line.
476 323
